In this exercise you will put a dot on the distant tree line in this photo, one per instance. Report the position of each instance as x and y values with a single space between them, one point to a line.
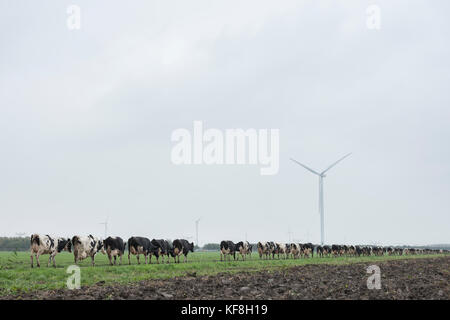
14 244
216 246
211 246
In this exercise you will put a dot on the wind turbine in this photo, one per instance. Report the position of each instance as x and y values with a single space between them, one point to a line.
196 230
290 234
321 176
106 226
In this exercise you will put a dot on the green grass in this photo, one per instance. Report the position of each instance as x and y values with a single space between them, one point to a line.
17 276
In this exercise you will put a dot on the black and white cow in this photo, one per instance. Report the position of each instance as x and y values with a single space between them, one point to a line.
263 249
358 251
239 249
336 250
352 250
319 251
250 248
114 246
295 250
228 247
326 250
243 248
280 248
272 248
288 250
377 251
141 245
164 248
44 244
307 249
181 246
84 247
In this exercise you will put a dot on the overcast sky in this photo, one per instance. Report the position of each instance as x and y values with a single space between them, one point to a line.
87 116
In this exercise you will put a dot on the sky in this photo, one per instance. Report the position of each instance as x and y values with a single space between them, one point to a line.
87 115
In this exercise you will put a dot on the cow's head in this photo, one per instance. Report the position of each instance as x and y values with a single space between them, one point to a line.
191 247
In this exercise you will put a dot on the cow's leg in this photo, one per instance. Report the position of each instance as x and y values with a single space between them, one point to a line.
31 256
109 257
137 257
93 260
115 259
37 260
129 259
121 259
54 262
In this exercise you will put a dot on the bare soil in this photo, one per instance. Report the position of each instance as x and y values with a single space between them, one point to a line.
400 279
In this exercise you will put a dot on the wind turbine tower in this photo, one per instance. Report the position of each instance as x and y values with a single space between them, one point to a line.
321 176
196 231
106 227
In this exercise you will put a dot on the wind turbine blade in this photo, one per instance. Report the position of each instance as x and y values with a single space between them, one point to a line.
335 163
309 169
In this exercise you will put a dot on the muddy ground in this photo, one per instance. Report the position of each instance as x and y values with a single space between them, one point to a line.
400 279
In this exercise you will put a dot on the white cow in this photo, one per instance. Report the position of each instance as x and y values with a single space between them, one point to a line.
44 244
281 249
84 247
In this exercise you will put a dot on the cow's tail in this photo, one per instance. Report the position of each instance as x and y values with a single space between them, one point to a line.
35 239
125 246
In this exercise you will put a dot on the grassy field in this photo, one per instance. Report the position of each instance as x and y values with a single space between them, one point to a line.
16 274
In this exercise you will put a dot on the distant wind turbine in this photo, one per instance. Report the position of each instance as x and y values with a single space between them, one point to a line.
106 226
290 234
196 230
321 176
